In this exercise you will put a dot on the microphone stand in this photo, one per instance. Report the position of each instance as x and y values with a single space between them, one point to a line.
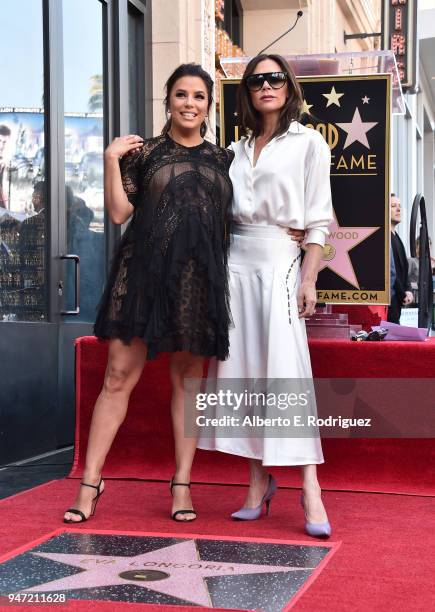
299 15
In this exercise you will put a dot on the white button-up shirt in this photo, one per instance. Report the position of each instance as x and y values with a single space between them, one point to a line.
289 186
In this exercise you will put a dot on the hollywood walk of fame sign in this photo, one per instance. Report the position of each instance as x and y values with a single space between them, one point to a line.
353 115
167 570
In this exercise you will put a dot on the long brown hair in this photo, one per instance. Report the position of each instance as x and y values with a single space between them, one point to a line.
194 70
251 122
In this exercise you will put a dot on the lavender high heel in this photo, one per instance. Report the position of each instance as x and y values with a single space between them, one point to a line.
316 530
252 514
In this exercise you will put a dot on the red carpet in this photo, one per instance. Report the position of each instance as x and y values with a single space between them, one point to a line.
384 561
385 557
143 447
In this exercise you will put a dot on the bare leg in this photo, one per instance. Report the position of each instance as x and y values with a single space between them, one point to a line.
314 507
183 365
124 367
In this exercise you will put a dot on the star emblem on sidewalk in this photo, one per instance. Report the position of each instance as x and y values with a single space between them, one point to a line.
357 130
175 570
333 97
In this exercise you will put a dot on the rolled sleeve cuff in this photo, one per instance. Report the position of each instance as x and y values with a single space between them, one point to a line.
316 236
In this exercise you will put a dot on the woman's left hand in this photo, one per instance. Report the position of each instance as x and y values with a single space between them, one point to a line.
297 235
307 299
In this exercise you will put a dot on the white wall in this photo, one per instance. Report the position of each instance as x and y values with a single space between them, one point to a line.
182 31
425 5
261 27
320 29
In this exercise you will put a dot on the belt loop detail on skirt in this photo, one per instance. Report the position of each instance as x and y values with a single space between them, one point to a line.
290 295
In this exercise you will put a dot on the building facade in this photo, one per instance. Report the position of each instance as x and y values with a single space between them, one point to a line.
413 140
78 73
321 28
182 31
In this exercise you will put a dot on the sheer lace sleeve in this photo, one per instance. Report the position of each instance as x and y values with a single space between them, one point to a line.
129 165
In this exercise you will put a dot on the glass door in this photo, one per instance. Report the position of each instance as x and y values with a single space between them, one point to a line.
103 82
84 146
23 199
73 82
28 336
83 222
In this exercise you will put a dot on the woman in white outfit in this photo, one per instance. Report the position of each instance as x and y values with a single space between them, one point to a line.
280 177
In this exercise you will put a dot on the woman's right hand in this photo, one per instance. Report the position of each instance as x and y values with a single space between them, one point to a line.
115 197
297 235
121 145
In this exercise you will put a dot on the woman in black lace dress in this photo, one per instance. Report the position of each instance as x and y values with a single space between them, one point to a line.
167 290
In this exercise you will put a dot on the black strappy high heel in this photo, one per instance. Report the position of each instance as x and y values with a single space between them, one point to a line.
94 504
177 512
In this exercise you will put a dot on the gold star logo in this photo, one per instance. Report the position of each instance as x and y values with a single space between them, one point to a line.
306 108
333 97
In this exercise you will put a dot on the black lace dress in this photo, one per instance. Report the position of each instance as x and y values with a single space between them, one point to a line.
168 281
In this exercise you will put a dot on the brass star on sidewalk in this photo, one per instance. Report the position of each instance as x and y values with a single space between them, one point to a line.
333 97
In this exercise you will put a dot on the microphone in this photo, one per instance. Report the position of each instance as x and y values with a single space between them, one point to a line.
298 16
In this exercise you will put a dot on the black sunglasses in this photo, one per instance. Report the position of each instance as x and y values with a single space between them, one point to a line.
275 79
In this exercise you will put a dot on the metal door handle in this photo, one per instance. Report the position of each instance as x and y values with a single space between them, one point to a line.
76 310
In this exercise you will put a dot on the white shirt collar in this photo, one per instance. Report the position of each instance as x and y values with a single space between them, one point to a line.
294 128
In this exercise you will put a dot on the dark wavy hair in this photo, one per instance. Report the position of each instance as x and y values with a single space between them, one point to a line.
251 122
194 70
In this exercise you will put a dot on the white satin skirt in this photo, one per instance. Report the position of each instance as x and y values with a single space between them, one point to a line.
268 340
